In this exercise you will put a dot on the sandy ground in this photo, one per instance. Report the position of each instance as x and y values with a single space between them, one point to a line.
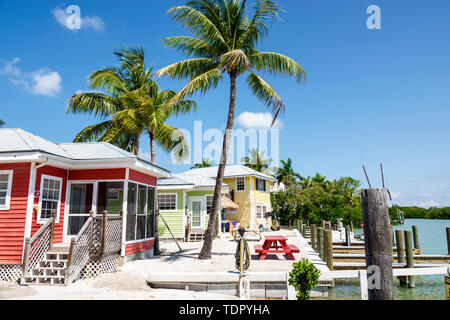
129 282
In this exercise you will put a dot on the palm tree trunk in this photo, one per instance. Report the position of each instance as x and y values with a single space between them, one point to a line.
136 145
156 251
207 245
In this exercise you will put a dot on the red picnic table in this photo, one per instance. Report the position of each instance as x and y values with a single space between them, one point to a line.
276 244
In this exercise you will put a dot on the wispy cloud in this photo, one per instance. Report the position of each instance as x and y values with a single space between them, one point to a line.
42 82
93 22
251 120
427 204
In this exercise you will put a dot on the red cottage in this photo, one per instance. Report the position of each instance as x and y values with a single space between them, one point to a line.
62 208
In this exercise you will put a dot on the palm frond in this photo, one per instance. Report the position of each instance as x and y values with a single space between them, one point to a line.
264 92
235 60
95 103
108 80
275 63
93 133
201 83
190 46
186 68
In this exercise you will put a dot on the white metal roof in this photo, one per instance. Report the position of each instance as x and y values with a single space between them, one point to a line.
230 172
194 181
19 143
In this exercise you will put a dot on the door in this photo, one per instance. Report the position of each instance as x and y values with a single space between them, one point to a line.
197 209
80 206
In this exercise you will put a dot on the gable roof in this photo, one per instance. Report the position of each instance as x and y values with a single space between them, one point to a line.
230 172
34 148
188 181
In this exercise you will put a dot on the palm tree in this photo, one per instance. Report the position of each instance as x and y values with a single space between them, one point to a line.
286 173
206 163
224 43
133 104
2 123
256 161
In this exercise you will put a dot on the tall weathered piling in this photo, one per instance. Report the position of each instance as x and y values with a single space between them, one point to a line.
400 252
351 226
313 235
329 248
448 239
378 245
415 231
409 256
320 243
348 239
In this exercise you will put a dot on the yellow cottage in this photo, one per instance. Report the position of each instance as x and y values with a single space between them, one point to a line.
249 189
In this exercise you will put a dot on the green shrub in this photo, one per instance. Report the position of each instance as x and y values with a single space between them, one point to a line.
304 277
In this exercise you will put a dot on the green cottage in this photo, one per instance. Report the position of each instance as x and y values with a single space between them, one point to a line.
183 202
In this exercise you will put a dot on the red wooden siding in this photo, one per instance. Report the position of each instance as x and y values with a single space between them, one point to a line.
97 174
142 178
12 222
59 173
133 248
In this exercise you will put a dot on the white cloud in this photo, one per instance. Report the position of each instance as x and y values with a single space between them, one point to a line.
425 194
250 120
94 22
42 82
426 204
396 195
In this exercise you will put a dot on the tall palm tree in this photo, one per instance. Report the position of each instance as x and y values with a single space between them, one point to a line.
224 43
2 123
206 163
286 174
131 105
256 161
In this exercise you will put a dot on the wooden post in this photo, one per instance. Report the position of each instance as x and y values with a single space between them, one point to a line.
105 221
348 239
329 248
52 230
313 236
322 244
400 252
415 231
26 257
392 238
447 230
377 242
323 224
351 226
409 256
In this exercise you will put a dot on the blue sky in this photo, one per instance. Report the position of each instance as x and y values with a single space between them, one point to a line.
371 96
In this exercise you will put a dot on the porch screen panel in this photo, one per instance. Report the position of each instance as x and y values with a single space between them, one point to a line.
110 197
150 212
131 212
141 216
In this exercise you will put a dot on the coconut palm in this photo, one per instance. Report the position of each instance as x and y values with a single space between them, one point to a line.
286 174
132 104
2 123
224 43
206 163
256 162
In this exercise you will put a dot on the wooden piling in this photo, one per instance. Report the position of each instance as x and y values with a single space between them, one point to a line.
329 249
377 242
351 226
415 231
320 242
409 256
313 236
348 239
400 252
448 239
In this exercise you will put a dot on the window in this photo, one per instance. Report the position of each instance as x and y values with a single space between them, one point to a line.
167 202
209 202
240 184
261 185
261 212
5 189
50 197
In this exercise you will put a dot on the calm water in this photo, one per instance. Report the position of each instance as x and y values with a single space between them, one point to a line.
433 240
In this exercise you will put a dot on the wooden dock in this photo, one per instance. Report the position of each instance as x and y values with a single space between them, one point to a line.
362 265
361 249
425 258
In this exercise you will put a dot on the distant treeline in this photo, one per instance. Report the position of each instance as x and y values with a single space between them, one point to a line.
421 213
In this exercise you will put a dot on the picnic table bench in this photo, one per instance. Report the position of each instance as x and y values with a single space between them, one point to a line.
276 244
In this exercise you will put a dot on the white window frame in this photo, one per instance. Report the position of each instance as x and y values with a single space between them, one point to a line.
206 201
256 184
7 204
168 194
245 184
262 206
39 220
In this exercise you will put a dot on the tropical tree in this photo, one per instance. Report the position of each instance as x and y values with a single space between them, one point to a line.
132 105
224 42
206 163
286 174
256 162
2 123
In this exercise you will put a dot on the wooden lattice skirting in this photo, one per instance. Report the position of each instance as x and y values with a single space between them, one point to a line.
95 268
10 272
